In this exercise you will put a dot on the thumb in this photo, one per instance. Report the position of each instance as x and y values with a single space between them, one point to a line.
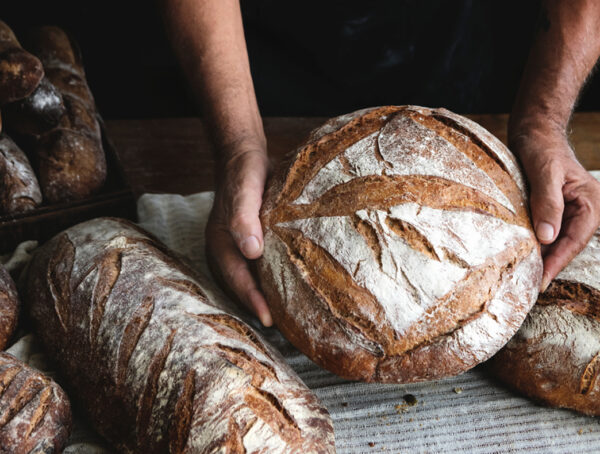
244 222
547 205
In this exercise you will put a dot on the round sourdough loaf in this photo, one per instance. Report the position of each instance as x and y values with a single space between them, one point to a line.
555 356
398 246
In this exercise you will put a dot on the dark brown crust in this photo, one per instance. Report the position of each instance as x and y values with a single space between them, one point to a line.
20 72
9 307
71 160
147 373
19 188
553 374
44 414
41 111
341 325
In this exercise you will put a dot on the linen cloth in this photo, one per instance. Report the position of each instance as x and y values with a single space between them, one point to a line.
470 413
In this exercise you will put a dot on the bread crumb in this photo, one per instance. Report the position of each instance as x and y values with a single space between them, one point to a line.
458 390
410 399
580 431
371 444
411 420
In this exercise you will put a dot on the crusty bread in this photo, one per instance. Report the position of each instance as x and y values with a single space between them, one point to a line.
9 307
156 357
36 114
398 245
35 415
71 161
20 72
555 356
19 188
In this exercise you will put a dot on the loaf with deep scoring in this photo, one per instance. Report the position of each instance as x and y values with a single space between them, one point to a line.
398 245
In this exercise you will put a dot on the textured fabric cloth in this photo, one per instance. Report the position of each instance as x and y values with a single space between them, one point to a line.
470 413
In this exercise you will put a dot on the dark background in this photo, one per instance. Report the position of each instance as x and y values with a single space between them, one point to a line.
311 57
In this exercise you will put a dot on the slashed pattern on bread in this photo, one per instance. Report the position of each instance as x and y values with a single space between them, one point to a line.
396 241
157 357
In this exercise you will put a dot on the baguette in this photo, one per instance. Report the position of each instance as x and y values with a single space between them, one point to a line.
20 72
398 245
71 161
19 188
9 307
35 414
156 357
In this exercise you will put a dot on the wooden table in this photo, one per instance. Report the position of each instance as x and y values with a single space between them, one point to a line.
175 155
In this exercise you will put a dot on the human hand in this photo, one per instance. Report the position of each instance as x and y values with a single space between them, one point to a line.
564 198
234 233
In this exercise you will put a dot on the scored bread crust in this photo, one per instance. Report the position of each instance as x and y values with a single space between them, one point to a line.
9 307
157 357
398 245
35 414
555 356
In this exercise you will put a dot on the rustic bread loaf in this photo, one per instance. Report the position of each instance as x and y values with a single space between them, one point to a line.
35 415
71 161
156 357
9 307
398 245
20 72
555 356
39 112
19 188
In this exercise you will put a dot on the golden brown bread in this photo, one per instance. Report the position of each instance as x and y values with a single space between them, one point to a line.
19 188
9 307
155 355
396 242
20 72
35 415
71 161
555 356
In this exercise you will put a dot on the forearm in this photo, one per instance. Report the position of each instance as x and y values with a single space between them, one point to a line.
565 49
208 38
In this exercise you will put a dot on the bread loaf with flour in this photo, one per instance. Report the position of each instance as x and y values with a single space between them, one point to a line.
20 72
398 245
35 414
555 356
71 162
156 356
19 187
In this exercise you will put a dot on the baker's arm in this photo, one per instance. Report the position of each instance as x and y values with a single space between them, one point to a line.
208 38
565 198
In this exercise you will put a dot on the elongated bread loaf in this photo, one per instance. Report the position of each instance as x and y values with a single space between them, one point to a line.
398 245
9 307
555 356
35 415
155 356
71 160
19 188
20 72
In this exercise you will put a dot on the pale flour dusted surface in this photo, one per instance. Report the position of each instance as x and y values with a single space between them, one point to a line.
470 413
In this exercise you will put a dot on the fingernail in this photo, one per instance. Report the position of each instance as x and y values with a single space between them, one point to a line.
545 283
250 246
544 231
266 319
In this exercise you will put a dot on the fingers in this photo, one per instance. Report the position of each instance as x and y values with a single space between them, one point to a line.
230 266
579 224
547 205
